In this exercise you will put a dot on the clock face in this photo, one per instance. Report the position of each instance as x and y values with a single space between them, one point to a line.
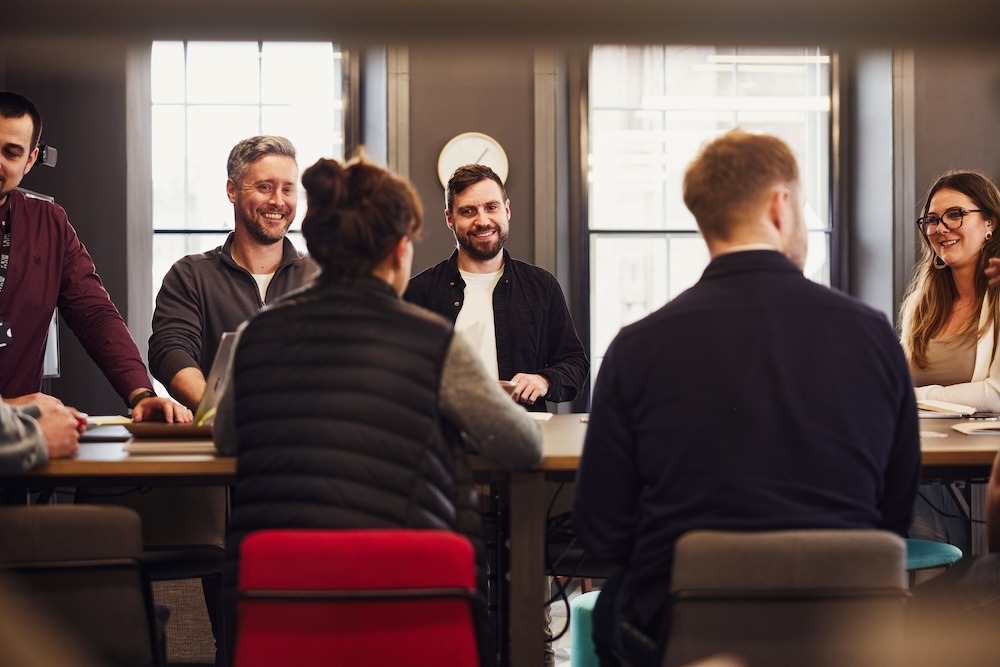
471 148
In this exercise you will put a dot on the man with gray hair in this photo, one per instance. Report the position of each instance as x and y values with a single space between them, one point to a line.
207 294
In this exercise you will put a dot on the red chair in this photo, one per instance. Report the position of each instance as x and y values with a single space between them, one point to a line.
357 597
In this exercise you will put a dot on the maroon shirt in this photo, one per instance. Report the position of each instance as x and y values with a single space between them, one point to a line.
50 267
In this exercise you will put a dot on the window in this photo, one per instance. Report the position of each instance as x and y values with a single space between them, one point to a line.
206 96
650 110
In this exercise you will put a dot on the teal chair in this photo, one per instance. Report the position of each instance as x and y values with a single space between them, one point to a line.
928 554
582 652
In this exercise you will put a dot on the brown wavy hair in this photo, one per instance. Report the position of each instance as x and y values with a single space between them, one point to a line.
932 292
357 212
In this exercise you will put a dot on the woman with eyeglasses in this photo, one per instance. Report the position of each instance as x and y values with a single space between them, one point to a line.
948 322
949 317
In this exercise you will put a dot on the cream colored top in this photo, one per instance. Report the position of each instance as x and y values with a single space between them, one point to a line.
949 361
981 392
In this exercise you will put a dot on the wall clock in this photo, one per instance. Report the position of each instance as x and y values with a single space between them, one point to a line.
472 148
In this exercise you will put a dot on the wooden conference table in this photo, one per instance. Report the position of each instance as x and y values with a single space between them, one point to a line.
947 455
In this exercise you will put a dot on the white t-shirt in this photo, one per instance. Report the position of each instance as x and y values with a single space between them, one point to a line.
475 320
263 280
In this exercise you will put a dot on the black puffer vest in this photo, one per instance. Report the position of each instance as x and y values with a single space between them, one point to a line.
337 412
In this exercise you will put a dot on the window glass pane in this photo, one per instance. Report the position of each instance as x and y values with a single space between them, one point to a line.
167 72
818 260
297 73
169 195
212 133
632 275
651 109
223 72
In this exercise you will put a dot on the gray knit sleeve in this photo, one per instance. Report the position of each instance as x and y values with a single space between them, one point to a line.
22 445
492 424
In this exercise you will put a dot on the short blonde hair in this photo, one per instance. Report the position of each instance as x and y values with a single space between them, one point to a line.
731 175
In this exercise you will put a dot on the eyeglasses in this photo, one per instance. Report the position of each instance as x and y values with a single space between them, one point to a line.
951 219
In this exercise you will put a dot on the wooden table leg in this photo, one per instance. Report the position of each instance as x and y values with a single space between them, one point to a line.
527 569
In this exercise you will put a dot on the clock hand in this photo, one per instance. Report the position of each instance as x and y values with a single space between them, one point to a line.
485 151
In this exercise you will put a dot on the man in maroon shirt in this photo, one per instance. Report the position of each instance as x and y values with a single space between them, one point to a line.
43 265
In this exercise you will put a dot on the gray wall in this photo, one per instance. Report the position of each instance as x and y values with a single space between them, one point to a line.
79 88
480 89
957 114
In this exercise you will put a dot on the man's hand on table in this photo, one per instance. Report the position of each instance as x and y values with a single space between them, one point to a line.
159 408
61 427
529 387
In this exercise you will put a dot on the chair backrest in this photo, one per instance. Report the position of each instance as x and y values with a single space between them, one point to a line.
799 597
83 563
356 597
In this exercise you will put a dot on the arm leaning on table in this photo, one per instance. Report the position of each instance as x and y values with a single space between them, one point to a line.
176 344
30 436
493 425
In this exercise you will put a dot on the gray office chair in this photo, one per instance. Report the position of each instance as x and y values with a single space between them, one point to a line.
801 597
183 532
83 563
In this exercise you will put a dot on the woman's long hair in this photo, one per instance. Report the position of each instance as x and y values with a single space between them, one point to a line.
357 212
932 292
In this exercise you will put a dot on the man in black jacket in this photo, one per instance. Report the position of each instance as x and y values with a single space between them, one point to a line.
513 313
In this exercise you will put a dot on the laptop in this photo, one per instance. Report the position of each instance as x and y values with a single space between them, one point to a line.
204 416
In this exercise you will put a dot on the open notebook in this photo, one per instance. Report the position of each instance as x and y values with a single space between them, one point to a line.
928 408
201 427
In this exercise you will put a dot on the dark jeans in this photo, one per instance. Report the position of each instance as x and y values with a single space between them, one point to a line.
620 639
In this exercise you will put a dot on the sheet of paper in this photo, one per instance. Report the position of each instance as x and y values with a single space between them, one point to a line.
978 427
108 420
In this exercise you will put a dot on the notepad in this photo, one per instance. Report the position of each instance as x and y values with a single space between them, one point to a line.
158 447
978 427
943 408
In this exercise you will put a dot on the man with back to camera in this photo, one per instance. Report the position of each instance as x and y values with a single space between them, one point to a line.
207 294
755 400
512 312
47 267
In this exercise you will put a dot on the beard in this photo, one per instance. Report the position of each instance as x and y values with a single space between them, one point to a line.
480 252
263 233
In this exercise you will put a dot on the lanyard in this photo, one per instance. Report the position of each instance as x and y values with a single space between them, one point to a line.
4 255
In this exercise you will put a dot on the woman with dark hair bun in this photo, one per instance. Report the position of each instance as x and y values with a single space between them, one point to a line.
350 408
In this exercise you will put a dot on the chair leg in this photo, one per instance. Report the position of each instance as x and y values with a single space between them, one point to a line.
211 586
